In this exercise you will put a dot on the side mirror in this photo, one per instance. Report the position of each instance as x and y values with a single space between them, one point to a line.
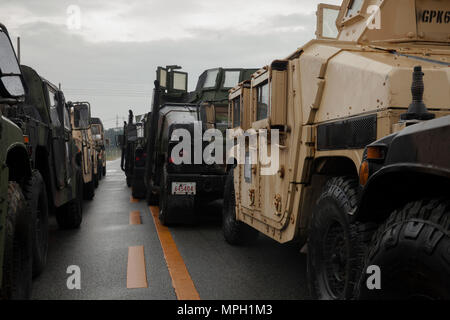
82 115
11 82
326 21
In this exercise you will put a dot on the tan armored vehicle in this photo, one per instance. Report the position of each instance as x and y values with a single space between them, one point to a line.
328 101
80 116
98 132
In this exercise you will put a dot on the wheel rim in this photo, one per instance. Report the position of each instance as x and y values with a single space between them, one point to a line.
336 255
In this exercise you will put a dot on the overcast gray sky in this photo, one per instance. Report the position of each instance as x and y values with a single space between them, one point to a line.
111 60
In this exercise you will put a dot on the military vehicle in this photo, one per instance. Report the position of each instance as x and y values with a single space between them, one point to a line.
128 143
15 214
138 189
328 101
182 186
81 130
410 171
98 134
40 167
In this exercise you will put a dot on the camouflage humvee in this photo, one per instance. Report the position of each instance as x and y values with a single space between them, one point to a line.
327 101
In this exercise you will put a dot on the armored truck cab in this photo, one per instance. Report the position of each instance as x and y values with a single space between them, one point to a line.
212 93
80 116
327 101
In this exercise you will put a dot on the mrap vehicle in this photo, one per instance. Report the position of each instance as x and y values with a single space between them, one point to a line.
327 101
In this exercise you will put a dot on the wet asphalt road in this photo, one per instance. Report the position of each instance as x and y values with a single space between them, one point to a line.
263 270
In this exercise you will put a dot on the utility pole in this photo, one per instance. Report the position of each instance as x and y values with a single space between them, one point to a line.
117 121
18 49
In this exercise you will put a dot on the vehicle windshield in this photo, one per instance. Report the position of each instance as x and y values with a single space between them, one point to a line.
81 116
211 78
95 129
140 130
8 61
231 79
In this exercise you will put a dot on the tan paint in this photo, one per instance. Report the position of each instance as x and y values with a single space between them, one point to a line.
332 80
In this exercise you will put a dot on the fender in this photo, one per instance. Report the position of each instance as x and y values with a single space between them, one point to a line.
396 184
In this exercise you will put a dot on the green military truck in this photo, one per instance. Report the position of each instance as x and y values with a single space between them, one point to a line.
180 187
15 172
39 172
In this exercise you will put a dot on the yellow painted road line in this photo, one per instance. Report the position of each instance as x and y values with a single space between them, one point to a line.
136 273
181 280
133 200
135 217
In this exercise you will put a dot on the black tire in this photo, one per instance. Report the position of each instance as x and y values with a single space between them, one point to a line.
412 249
335 250
18 262
235 232
164 211
89 189
104 171
36 194
95 177
152 198
99 170
137 189
70 215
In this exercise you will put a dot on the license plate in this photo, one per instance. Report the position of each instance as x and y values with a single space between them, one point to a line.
184 188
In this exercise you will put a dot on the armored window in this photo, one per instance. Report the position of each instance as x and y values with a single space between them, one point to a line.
140 130
53 107
354 8
8 62
237 112
95 129
263 102
180 81
67 120
231 79
211 78
329 29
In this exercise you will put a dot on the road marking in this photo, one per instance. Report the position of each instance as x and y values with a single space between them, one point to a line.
133 200
135 217
136 273
181 280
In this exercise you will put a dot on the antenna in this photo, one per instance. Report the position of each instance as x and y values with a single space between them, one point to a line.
18 49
